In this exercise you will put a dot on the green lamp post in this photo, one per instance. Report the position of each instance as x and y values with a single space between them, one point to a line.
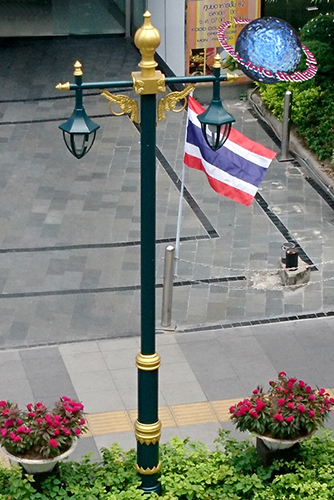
79 134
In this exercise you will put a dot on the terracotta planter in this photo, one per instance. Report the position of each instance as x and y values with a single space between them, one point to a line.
280 444
39 465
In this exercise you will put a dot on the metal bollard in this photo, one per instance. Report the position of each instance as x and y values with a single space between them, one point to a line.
285 155
167 291
291 259
286 246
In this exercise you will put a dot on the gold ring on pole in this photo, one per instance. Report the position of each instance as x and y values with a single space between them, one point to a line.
148 471
148 433
148 362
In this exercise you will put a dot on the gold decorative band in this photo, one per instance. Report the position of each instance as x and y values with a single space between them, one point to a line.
148 433
148 362
148 471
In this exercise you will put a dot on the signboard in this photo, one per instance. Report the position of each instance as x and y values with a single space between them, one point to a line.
204 18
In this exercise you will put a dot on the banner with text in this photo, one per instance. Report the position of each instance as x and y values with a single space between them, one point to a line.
204 18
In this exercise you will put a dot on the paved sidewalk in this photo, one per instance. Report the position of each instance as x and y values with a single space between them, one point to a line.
202 374
69 259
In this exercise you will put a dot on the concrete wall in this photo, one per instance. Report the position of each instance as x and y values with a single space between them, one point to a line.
168 16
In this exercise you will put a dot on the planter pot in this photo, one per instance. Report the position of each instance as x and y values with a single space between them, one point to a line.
41 465
280 444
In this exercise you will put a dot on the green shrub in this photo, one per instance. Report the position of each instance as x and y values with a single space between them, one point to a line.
324 55
190 471
320 28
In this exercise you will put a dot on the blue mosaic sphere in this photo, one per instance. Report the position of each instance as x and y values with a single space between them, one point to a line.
270 43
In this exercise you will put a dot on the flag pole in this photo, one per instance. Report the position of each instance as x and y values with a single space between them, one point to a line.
178 227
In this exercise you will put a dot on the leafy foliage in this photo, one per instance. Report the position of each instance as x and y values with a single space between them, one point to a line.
320 28
190 471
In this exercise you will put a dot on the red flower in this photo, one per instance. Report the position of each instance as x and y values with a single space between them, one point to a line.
83 421
5 412
17 438
308 389
312 413
2 403
12 435
312 397
282 374
3 432
321 391
301 383
301 408
291 406
289 418
281 402
31 414
53 443
21 428
278 417
77 431
232 408
9 422
29 406
256 391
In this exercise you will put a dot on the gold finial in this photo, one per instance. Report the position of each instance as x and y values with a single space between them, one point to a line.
230 77
77 69
147 39
217 63
63 86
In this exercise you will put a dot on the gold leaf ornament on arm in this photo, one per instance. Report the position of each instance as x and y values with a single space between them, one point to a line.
127 105
169 102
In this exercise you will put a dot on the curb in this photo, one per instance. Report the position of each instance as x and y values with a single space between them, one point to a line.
309 159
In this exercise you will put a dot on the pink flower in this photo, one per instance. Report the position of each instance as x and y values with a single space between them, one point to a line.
2 403
3 432
282 374
9 422
232 408
77 431
259 405
289 418
5 412
29 406
66 432
256 391
28 430
19 421
83 421
53 443
39 420
312 413
321 391
301 383
312 397
12 435
31 414
291 406
301 408
56 432
308 389
281 402
278 417
21 428
17 439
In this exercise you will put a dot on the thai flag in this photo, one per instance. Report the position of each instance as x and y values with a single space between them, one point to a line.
236 169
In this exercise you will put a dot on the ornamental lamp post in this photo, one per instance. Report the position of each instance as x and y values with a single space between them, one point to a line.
79 134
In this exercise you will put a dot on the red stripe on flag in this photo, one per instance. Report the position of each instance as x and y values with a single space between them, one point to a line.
219 186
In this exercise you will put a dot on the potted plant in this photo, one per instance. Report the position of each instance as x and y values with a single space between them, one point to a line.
290 411
37 438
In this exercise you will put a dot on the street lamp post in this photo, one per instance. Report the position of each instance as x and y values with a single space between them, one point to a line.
79 134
